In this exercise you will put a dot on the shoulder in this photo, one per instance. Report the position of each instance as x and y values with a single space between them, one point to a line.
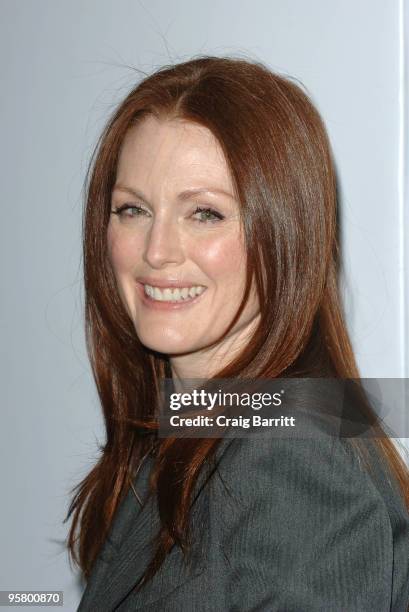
311 507
323 469
324 475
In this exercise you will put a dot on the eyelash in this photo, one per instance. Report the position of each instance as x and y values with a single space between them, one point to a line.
207 209
199 209
120 209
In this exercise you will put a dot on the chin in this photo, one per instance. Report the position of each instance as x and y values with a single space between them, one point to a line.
172 344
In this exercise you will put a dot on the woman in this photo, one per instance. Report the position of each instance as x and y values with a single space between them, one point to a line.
210 251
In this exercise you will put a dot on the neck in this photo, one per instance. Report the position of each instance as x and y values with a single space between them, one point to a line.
207 362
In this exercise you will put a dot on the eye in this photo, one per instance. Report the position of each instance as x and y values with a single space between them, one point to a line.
130 211
208 214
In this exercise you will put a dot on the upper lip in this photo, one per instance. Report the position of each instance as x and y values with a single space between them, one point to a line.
157 282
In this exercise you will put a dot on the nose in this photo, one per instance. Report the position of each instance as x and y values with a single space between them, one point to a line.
163 245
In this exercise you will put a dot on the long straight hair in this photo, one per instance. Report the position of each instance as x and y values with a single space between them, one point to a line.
280 159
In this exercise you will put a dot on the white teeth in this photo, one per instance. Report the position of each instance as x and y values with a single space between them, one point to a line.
169 294
157 293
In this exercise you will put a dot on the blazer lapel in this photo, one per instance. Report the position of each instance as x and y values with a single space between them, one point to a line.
126 521
128 551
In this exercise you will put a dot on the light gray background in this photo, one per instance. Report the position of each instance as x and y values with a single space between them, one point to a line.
64 67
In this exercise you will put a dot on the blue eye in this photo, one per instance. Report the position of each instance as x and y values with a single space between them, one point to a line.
208 214
134 211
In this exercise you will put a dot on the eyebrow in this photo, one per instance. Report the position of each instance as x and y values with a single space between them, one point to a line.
182 196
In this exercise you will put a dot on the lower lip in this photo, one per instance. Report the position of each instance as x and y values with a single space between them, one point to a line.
157 305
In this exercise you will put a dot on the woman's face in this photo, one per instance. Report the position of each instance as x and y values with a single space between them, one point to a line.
175 245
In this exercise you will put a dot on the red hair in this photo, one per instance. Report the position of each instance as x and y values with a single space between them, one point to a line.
280 160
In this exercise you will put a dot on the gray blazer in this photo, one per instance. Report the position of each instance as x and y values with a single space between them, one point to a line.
284 525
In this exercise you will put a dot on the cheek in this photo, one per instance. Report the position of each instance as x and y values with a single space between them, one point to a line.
222 259
224 262
122 251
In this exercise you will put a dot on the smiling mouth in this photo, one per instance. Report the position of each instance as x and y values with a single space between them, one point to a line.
172 295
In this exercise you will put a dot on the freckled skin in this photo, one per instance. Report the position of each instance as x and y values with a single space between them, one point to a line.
167 240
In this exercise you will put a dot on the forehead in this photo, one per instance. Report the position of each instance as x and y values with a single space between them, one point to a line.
172 150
